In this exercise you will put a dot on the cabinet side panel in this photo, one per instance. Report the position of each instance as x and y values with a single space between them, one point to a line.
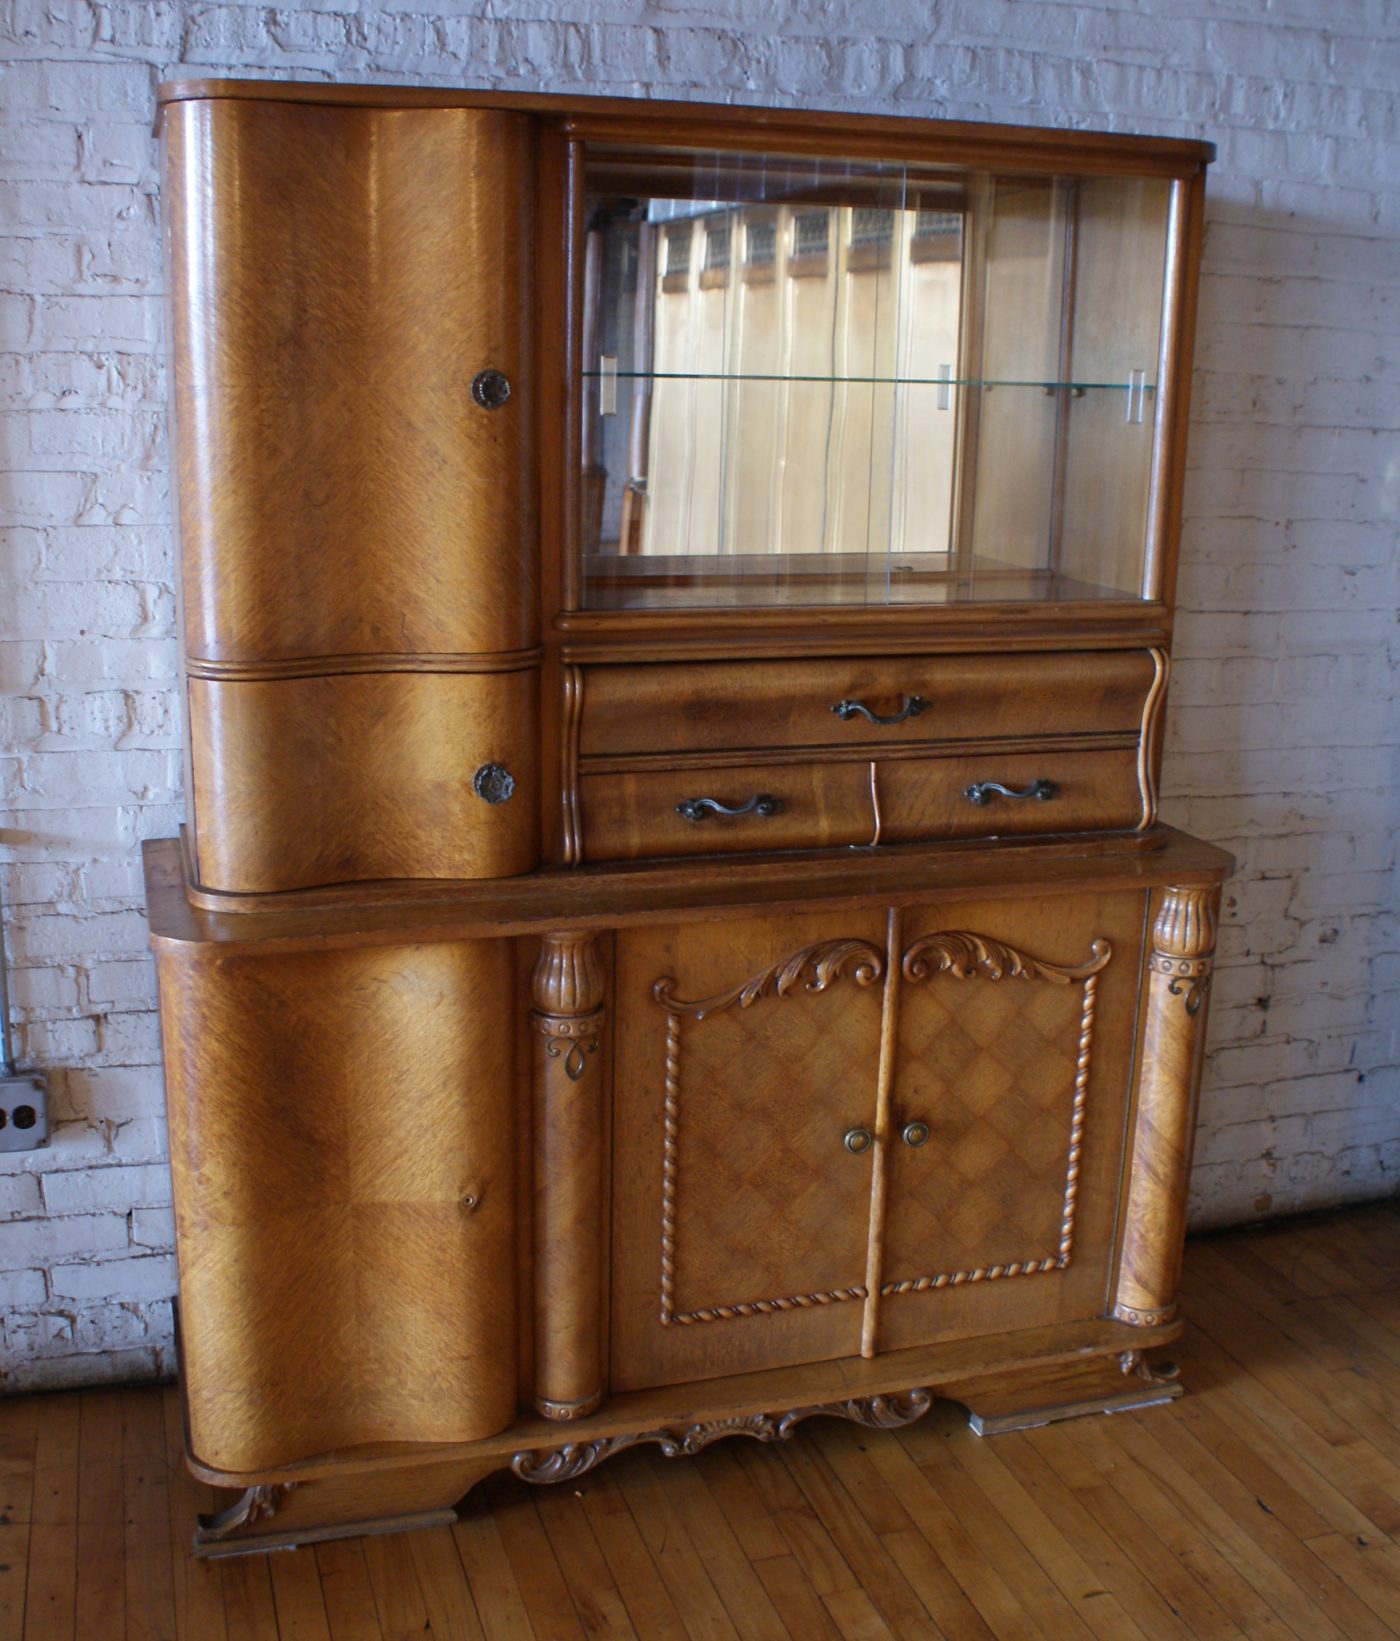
339 279
344 1194
300 782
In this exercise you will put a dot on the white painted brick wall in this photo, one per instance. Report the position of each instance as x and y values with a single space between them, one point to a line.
1284 724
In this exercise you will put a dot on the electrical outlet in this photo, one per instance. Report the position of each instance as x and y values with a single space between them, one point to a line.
24 1112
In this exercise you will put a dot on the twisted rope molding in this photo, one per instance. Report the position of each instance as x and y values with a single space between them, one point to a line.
813 969
966 956
959 953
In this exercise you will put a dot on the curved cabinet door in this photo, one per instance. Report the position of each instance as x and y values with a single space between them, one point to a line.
747 1051
350 288
344 1177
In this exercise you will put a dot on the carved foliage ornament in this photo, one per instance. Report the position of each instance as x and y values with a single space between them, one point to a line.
256 1504
1190 978
967 956
814 968
958 953
572 1037
574 1459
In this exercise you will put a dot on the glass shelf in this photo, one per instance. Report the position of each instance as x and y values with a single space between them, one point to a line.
984 383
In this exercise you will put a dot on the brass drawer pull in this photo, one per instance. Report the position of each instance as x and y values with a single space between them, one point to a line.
913 706
984 791
696 809
916 1134
857 1140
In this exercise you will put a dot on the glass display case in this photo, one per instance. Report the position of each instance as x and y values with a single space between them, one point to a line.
818 381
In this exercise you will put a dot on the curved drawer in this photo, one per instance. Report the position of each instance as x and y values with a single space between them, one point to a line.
928 799
730 705
635 816
301 782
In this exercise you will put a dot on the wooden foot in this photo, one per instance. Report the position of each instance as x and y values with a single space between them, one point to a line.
1116 1385
282 1515
247 1544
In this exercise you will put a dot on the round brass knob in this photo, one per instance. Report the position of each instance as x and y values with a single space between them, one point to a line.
916 1134
857 1140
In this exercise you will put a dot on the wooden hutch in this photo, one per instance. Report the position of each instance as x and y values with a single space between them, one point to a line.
673 935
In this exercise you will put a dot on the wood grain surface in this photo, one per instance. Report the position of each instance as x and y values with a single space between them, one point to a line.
333 299
1264 1501
183 913
482 1164
635 816
343 1158
647 120
926 801
1180 971
736 705
309 781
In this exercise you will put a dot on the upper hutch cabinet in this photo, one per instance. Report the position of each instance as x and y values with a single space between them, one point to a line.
673 934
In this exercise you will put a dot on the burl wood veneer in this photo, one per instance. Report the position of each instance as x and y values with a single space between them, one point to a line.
592 1018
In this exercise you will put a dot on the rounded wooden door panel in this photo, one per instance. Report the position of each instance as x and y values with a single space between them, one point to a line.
746 1054
341 281
343 1161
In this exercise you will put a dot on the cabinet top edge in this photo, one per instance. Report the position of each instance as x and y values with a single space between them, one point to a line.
1184 155
614 897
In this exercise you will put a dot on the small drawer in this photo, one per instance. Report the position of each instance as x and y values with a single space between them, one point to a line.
996 795
307 781
644 814
876 702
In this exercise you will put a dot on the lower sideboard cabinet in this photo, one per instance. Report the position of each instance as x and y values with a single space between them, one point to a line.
464 1184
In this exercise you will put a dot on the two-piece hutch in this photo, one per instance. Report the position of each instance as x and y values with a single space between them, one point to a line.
673 935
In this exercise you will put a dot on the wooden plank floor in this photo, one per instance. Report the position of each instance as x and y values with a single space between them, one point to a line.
1266 1503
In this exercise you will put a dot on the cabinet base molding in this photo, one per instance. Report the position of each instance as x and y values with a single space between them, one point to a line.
208 1548
878 1412
1006 1384
1121 1386
348 1503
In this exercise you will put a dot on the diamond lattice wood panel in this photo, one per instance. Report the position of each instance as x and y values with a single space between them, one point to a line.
979 1218
991 1068
730 1157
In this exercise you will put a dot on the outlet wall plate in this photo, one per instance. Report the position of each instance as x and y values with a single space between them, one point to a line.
24 1112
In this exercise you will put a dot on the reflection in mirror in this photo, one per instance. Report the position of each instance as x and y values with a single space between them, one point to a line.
828 382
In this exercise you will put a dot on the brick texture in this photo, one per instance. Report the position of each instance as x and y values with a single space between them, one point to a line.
1284 724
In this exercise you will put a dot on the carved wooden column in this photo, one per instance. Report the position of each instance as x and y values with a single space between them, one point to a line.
1179 975
566 1026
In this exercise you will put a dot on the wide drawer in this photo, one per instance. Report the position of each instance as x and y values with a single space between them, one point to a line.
924 800
644 814
733 705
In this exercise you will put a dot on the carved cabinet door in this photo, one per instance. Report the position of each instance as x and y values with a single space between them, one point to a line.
1015 1034
745 1096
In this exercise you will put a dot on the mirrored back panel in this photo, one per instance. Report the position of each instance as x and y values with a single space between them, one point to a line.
809 381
